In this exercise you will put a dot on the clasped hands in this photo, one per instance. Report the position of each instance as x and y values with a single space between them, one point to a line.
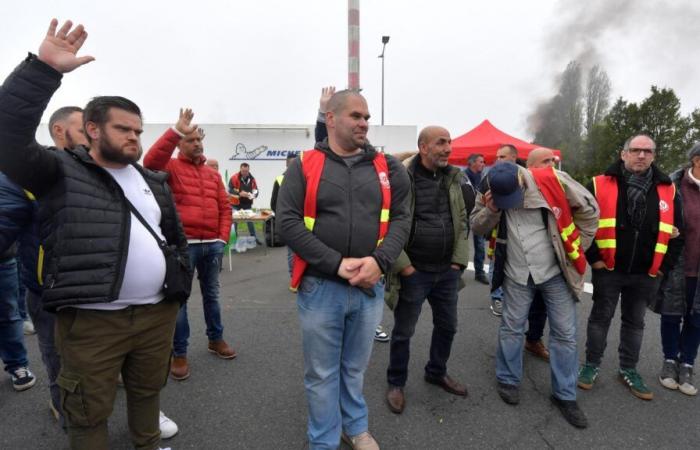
362 272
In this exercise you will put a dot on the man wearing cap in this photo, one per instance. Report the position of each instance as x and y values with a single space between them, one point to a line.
632 250
545 220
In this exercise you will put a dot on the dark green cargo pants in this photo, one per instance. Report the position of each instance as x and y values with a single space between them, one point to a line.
94 347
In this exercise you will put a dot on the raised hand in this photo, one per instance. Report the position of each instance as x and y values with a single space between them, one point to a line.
59 48
201 133
184 122
326 94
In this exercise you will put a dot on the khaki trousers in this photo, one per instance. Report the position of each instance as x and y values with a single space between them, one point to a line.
95 346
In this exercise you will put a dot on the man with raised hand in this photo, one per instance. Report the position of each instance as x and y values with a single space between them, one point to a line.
342 210
103 270
205 212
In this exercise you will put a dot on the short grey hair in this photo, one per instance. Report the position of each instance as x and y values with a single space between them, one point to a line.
626 147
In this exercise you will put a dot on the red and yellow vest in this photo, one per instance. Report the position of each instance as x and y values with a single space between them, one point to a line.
606 192
553 192
312 168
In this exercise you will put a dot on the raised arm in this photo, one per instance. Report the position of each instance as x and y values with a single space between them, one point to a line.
23 99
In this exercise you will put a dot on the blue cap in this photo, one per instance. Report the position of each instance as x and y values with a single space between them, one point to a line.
505 186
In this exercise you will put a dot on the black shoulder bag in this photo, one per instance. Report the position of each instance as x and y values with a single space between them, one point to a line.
178 276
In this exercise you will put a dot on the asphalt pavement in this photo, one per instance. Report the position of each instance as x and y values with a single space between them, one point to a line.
257 400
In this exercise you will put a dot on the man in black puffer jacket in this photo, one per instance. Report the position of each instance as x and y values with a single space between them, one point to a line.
103 271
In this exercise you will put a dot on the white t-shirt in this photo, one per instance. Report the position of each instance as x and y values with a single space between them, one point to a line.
145 264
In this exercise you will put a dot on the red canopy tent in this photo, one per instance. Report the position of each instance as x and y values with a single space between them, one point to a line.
486 139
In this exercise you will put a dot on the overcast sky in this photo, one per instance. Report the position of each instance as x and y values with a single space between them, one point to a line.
451 63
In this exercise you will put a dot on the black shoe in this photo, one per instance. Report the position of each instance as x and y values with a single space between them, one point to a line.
481 278
509 393
571 412
257 241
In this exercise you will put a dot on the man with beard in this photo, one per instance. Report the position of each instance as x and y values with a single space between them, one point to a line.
203 206
103 271
430 265
342 210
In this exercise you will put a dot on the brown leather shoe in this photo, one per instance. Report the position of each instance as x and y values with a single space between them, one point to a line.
448 383
538 349
395 399
179 369
222 349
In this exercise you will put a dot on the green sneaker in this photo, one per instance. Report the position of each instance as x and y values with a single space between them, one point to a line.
632 379
587 375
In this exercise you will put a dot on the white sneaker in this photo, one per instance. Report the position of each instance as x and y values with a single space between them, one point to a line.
168 428
685 380
28 328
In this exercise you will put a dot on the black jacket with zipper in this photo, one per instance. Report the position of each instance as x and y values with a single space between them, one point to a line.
634 251
84 218
348 206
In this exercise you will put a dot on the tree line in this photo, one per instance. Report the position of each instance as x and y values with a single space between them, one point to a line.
590 132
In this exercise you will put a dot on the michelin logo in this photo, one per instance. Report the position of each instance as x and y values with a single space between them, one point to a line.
260 152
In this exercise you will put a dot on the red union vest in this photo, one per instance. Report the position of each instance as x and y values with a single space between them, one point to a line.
553 192
606 192
312 167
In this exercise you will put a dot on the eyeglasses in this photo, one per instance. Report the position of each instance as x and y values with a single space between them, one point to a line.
637 151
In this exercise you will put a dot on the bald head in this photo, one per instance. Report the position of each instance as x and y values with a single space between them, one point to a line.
540 157
340 99
435 146
428 132
214 164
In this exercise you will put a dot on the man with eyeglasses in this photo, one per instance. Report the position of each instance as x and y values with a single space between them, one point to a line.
634 246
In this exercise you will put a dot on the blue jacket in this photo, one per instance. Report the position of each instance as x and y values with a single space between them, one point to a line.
18 223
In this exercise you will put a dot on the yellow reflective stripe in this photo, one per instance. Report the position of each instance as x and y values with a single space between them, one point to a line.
29 195
279 179
379 242
489 251
566 232
40 265
606 243
607 223
309 222
494 232
661 248
574 255
384 216
665 227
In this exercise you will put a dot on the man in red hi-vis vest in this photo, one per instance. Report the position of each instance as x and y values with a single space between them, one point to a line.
545 221
633 248
342 209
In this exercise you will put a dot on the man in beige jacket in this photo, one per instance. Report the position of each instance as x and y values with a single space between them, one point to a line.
545 222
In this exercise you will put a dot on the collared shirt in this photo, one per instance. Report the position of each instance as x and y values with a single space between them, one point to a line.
529 249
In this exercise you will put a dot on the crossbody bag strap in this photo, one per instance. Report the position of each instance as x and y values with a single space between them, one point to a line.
161 243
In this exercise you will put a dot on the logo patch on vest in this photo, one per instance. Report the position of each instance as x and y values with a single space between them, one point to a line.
384 180
663 206
557 212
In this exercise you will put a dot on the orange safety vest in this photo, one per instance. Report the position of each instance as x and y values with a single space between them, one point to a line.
491 250
606 191
553 192
312 168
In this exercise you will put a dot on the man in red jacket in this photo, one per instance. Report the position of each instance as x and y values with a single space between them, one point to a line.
201 201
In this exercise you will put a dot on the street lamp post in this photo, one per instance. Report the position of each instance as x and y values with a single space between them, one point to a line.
385 40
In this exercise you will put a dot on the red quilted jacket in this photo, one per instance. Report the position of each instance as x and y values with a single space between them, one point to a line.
200 197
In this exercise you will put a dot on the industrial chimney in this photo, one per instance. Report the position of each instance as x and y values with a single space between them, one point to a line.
354 44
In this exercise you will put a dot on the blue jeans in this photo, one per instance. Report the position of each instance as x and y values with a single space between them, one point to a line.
479 254
681 341
561 307
44 324
206 258
21 293
441 291
337 327
12 350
